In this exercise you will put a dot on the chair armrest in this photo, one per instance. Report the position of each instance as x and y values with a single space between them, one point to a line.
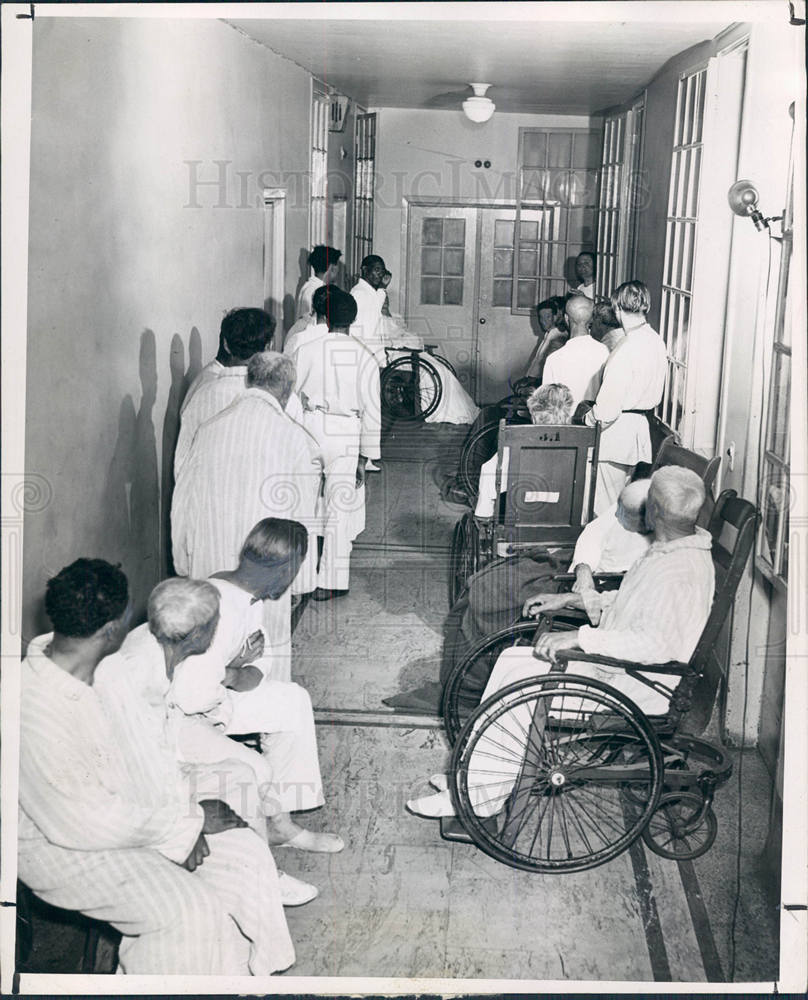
671 667
609 581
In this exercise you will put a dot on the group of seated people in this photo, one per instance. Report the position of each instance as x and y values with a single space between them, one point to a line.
136 806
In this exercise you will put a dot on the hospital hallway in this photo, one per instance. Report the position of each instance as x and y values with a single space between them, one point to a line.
400 901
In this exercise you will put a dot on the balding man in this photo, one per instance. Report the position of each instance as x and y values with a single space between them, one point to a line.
579 363
248 462
370 295
585 273
632 385
656 616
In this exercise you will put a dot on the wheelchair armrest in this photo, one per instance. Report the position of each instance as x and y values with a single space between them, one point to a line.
671 667
607 581
559 621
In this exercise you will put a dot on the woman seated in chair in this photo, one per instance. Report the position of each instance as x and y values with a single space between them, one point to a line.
549 404
656 616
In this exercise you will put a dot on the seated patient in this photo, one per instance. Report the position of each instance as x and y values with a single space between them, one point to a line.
610 543
191 612
110 825
227 690
553 335
549 404
656 616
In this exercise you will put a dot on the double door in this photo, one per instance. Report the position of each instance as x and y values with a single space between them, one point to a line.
460 269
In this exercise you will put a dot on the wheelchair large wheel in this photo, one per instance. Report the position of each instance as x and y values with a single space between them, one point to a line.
477 449
538 772
443 361
464 558
463 690
411 389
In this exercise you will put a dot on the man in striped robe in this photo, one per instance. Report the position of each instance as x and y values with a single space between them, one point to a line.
249 462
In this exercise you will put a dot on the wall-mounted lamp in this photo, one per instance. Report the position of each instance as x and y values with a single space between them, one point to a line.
743 200
479 108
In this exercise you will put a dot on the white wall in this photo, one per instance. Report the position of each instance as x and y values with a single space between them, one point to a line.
131 267
431 153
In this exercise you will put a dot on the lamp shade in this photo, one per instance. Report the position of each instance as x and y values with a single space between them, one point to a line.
478 109
743 198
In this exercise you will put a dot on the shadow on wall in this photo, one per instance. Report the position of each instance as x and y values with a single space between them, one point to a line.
180 381
132 500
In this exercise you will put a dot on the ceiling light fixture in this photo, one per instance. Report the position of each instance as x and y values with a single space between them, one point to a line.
479 108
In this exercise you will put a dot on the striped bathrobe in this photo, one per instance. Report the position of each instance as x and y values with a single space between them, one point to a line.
249 462
106 816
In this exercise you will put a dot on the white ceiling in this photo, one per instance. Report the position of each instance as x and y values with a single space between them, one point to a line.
571 67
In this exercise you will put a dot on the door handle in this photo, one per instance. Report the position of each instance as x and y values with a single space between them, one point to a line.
482 320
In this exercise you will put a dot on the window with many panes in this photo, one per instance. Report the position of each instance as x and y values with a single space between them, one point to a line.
318 208
443 248
773 535
364 172
680 242
619 197
558 184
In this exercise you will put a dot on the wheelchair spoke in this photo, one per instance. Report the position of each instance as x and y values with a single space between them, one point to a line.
601 815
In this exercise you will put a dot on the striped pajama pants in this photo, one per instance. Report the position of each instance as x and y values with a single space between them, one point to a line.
226 918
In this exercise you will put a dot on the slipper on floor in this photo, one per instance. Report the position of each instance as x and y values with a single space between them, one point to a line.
320 843
424 700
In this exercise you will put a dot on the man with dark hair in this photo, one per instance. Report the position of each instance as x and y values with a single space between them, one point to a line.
227 690
338 383
248 462
108 825
585 273
553 335
369 295
313 327
244 332
324 262
605 326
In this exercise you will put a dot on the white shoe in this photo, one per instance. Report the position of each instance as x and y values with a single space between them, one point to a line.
432 806
322 843
370 466
294 892
440 782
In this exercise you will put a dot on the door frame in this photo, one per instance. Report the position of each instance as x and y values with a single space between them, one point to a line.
455 201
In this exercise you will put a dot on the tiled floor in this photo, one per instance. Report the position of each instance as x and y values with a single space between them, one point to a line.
400 901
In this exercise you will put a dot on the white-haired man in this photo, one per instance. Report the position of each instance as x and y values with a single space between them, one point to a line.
248 462
549 404
109 824
656 616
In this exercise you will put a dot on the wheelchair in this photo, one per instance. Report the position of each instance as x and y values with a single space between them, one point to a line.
411 387
572 770
550 496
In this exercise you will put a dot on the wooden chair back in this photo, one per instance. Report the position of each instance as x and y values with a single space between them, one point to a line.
732 526
550 483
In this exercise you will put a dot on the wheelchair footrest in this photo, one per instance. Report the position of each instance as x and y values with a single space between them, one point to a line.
451 829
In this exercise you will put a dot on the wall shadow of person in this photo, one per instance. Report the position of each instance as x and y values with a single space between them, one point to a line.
181 378
146 568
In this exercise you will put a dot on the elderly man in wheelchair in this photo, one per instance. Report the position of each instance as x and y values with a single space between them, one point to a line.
562 771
